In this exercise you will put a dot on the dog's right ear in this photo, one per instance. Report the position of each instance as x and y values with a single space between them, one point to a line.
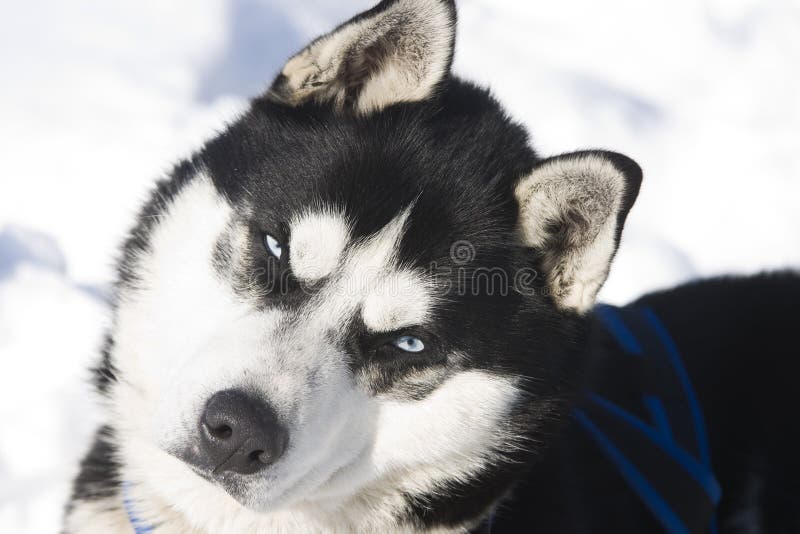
398 51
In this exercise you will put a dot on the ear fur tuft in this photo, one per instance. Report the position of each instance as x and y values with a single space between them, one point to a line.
398 51
572 210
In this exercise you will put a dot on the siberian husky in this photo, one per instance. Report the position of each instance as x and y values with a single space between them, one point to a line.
368 305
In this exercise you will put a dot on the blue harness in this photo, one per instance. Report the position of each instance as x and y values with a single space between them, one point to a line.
662 450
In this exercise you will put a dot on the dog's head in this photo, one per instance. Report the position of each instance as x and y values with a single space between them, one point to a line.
368 286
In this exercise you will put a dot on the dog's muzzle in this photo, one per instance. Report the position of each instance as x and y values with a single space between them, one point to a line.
238 433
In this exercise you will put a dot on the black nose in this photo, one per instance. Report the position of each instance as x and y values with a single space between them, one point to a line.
240 433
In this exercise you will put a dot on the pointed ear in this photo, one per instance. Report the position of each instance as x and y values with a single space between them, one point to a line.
399 51
572 210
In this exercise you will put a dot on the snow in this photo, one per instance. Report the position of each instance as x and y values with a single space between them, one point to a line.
98 99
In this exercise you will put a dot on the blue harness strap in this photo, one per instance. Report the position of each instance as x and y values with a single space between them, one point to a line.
138 524
661 449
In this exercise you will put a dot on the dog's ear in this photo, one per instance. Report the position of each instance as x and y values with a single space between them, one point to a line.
571 211
398 51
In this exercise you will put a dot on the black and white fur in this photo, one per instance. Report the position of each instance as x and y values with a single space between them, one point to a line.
399 193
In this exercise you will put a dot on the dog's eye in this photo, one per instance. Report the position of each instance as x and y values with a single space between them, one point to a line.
409 344
273 246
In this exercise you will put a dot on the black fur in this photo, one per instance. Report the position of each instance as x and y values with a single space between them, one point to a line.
455 159
736 338
99 474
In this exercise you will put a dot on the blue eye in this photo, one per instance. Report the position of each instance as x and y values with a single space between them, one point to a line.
409 344
273 246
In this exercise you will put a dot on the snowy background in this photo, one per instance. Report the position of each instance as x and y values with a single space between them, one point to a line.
99 98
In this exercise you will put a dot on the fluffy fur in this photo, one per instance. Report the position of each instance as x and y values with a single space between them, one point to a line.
406 203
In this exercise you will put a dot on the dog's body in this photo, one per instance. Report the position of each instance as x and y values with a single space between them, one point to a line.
367 306
735 337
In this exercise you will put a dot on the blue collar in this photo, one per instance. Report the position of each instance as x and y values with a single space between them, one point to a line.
137 523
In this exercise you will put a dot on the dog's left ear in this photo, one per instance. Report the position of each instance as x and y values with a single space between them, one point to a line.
571 210
398 51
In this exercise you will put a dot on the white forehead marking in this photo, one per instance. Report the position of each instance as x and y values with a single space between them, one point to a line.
365 265
400 299
317 242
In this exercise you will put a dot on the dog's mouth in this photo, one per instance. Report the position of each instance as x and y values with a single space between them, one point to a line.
240 461
243 488
237 485
243 475
268 488
243 460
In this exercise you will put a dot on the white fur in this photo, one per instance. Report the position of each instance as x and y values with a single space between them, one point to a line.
401 299
102 516
317 242
184 334
593 187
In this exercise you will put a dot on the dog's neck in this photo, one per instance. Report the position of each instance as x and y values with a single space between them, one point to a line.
137 506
